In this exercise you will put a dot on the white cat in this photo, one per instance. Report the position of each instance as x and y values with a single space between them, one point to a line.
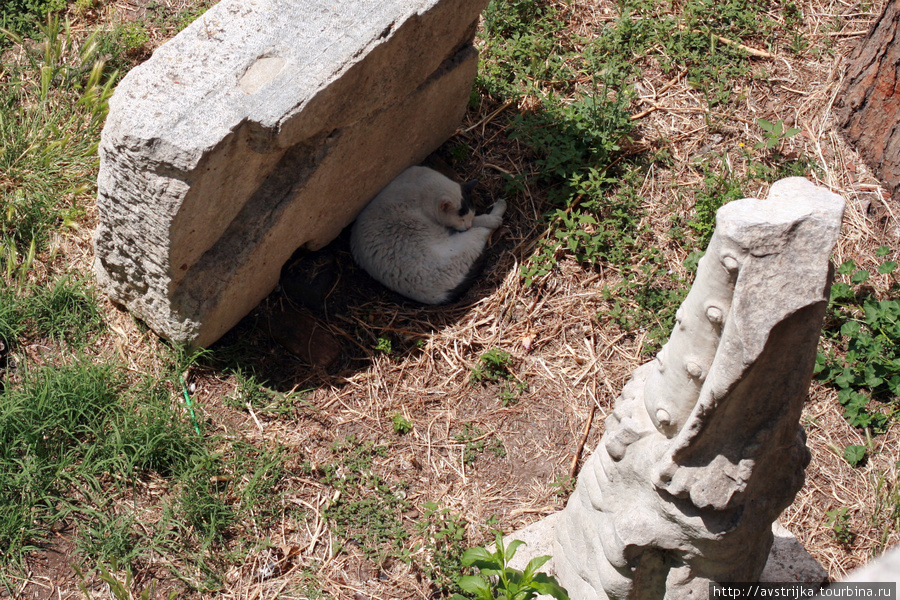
420 237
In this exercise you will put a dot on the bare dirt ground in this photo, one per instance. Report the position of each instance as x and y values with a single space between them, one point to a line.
573 361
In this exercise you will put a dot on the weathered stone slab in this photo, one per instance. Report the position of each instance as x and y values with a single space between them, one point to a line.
263 127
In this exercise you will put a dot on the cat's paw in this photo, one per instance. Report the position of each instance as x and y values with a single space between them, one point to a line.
489 221
493 219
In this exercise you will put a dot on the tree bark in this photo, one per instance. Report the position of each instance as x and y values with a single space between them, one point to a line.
868 107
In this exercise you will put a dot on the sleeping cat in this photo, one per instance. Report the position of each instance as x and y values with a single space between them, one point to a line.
420 237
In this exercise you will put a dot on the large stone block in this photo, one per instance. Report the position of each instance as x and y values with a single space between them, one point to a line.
264 127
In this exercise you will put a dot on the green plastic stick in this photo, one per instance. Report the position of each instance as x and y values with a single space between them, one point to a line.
187 400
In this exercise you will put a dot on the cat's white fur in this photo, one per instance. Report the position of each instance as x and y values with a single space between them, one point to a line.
420 238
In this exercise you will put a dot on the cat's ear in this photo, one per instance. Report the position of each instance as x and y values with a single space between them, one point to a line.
446 205
469 186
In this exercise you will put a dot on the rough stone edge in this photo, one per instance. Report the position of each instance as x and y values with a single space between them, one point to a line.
788 559
883 569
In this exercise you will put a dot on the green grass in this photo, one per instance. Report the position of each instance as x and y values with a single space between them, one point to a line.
79 433
78 438
52 107
582 96
62 427
368 509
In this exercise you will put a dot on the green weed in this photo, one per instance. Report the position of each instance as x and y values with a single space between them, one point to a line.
475 442
839 522
495 366
384 346
498 581
866 331
366 508
444 535
774 134
855 454
720 186
22 16
401 424
521 41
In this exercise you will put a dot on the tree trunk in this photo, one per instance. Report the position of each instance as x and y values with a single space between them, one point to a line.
868 107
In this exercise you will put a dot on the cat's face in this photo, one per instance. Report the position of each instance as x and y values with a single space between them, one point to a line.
457 213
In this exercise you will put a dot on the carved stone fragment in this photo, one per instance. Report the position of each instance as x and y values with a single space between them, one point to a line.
704 449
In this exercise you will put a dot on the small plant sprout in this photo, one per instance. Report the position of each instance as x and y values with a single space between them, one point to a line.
402 425
498 581
839 521
383 345
774 134
495 366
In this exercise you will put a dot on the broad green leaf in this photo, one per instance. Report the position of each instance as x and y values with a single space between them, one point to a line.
860 276
533 565
546 585
841 291
846 267
854 454
511 549
476 585
850 328
882 251
872 379
481 555
887 266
